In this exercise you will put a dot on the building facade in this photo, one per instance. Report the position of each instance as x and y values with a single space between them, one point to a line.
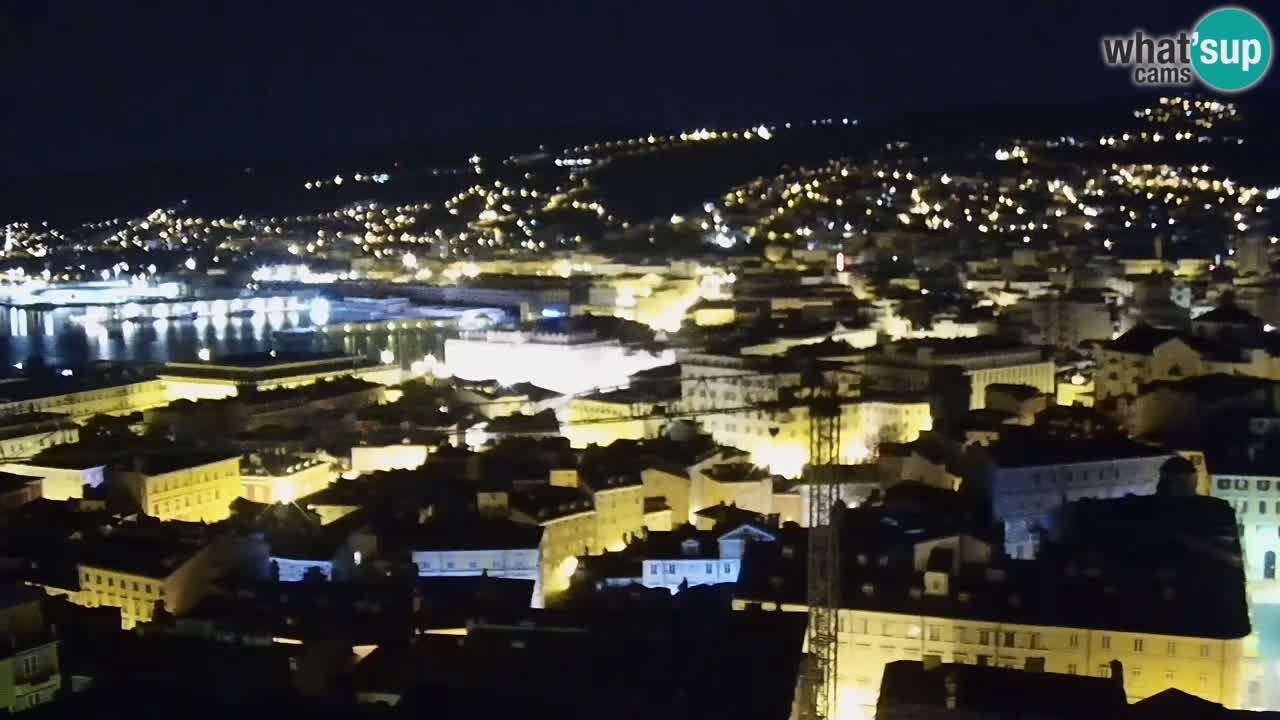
1256 499
170 489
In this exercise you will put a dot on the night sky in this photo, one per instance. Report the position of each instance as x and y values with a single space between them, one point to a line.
119 84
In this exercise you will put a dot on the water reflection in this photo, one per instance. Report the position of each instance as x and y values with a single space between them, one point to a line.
64 336
77 336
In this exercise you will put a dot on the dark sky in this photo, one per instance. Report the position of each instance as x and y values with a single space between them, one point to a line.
108 84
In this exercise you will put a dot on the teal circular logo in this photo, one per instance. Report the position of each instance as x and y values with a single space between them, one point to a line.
1231 49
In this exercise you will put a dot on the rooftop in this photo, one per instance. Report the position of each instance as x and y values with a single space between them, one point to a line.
551 502
999 691
1154 588
1029 447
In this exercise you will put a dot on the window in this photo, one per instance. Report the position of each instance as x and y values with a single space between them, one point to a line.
1035 641
1168 676
1071 668
1137 644
1204 650
671 568
935 633
653 569
1262 507
1009 639
1171 648
1224 483
1242 484
111 582
1264 485
1074 640
984 637
711 568
1104 670
1106 645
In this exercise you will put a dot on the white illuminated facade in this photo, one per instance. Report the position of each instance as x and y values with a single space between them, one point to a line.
1255 496
562 362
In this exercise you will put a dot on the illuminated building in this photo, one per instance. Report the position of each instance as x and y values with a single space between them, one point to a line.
1064 321
768 416
1020 402
140 573
189 486
657 515
710 313
282 479
905 365
776 433
493 400
568 520
651 299
739 484
227 376
565 362
779 340
1076 389
1028 475
370 457
61 477
1254 492
604 417
910 592
23 436
1230 344
81 396
30 672
696 557
670 484
336 501
619 505
108 292
471 546
1187 405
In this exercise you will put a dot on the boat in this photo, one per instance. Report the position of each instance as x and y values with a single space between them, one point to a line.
183 316
243 312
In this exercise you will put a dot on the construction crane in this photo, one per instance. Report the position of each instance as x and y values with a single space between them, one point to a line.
818 690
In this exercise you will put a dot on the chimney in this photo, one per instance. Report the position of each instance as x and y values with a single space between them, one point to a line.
1117 673
953 690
